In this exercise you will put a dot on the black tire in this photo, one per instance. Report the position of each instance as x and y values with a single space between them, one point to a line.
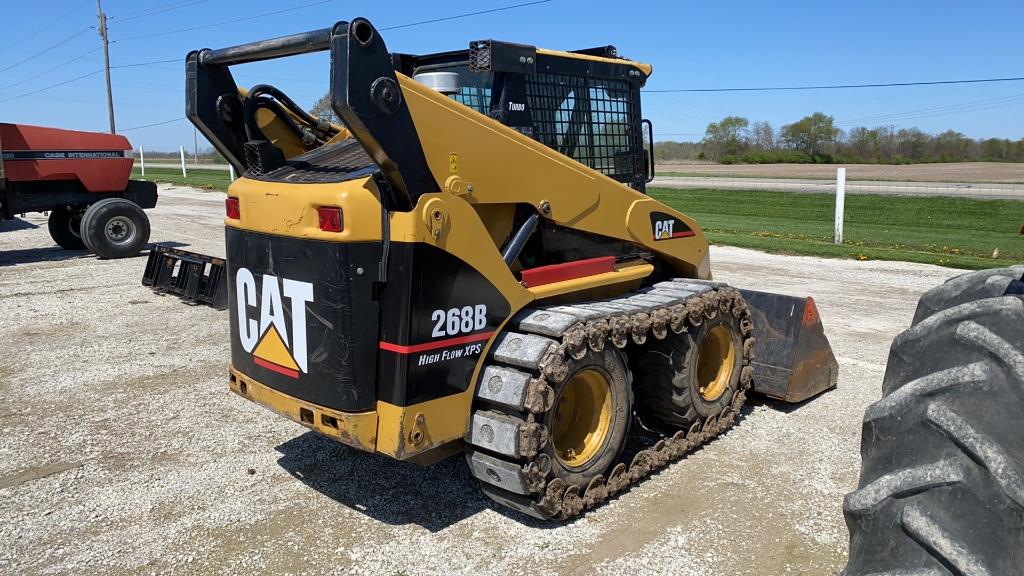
668 379
942 478
115 228
610 366
968 287
65 228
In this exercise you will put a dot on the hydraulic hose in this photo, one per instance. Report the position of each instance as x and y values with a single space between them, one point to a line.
275 101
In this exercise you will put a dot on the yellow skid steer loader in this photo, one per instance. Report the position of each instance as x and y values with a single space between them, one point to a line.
469 263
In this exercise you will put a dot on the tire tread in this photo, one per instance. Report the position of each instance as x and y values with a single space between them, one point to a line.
942 478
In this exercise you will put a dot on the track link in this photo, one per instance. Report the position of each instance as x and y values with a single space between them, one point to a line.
539 346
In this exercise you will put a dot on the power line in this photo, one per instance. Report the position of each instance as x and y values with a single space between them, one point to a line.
75 79
396 27
215 24
154 124
45 50
446 18
1012 100
147 63
47 71
947 113
839 86
156 10
50 87
49 24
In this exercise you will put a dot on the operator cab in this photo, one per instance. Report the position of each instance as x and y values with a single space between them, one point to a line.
585 104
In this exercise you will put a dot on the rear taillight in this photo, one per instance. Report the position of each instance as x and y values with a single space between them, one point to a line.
330 218
232 208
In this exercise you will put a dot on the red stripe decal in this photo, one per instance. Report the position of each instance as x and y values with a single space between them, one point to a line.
436 344
686 234
276 368
568 271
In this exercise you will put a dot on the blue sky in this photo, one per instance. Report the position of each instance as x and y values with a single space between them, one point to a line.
690 44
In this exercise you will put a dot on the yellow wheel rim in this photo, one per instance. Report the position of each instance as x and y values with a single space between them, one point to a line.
583 416
715 361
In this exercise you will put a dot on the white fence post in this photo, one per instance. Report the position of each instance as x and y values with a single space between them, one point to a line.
231 168
181 149
142 159
840 203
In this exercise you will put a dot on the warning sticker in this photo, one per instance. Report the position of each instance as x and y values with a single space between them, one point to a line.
453 163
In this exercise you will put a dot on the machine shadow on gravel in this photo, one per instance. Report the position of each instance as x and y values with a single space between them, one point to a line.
48 254
387 490
56 253
780 405
16 224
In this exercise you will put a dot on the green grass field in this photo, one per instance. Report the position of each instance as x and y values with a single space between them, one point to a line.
956 232
207 179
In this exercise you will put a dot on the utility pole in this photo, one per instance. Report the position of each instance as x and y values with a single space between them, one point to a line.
106 63
195 145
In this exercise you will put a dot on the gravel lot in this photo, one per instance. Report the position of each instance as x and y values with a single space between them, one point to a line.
122 451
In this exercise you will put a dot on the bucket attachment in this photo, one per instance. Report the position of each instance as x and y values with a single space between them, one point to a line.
193 277
793 359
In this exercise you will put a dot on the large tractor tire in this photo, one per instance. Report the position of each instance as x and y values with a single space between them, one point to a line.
115 228
941 489
65 228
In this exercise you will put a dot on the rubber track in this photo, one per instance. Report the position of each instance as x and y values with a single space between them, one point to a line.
607 323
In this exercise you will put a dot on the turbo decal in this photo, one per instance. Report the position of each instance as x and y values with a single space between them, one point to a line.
268 339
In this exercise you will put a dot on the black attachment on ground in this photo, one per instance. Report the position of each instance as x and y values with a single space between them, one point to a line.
194 277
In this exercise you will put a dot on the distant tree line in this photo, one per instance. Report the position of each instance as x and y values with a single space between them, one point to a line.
816 139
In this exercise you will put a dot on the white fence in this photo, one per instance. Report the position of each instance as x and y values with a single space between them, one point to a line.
778 178
141 163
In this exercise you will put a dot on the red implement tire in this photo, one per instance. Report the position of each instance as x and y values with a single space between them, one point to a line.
64 225
115 228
